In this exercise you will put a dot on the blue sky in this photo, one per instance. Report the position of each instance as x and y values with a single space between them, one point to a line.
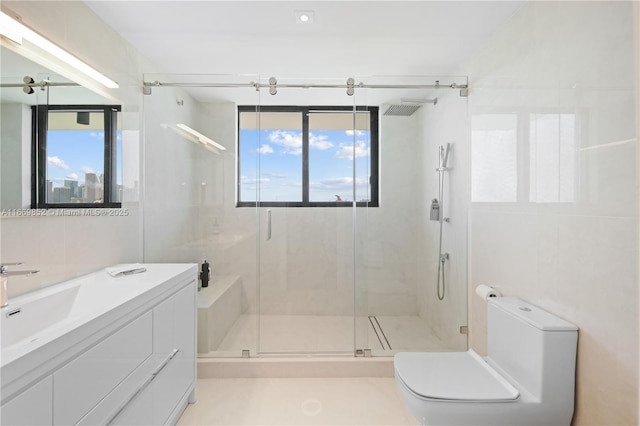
279 152
72 153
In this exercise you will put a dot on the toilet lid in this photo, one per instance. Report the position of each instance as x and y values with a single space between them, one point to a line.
458 376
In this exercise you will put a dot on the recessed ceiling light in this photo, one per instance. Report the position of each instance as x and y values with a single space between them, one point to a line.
304 17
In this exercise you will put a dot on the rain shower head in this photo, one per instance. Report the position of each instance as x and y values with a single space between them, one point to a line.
403 110
408 106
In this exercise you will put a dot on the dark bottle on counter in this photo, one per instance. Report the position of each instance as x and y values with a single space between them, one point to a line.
205 274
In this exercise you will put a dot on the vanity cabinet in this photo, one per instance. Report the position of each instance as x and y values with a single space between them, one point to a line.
174 356
140 369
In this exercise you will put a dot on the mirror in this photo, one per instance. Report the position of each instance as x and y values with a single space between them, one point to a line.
16 121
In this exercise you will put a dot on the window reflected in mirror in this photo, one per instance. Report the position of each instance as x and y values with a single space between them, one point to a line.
77 156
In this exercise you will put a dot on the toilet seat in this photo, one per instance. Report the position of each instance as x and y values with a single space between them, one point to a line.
452 376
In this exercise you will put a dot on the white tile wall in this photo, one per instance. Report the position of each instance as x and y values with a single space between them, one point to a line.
556 224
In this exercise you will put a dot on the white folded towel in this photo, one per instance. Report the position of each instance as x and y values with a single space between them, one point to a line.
125 269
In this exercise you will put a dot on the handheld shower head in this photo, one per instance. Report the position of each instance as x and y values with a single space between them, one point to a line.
444 155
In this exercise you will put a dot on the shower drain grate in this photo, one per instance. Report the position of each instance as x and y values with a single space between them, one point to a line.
377 328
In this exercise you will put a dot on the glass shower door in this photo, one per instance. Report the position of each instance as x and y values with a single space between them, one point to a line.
305 178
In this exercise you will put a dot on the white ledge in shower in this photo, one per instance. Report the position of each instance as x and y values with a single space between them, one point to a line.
219 307
66 316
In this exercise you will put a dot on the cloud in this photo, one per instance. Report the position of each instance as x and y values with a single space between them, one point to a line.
319 142
265 149
274 175
87 169
57 162
355 132
347 151
291 142
72 176
250 181
97 135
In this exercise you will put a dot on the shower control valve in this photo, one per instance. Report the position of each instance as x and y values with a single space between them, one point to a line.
435 210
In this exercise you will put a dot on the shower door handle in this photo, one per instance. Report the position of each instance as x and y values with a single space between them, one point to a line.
268 224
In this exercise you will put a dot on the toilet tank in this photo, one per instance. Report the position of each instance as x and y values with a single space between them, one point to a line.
535 348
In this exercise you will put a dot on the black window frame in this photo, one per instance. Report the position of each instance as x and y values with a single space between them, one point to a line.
39 128
373 166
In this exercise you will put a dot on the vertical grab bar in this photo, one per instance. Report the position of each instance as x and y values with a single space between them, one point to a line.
268 224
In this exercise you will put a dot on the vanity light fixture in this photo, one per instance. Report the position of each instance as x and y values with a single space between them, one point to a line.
200 137
33 46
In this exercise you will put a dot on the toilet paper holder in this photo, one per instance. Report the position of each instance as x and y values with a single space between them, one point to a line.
487 291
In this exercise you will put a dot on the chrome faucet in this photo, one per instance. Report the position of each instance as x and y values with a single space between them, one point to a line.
5 273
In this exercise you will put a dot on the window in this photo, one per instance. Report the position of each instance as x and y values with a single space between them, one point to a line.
294 156
76 156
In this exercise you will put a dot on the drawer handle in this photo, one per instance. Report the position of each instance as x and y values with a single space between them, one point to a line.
131 398
164 364
144 384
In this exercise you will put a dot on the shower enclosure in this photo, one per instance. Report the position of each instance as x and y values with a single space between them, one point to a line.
312 208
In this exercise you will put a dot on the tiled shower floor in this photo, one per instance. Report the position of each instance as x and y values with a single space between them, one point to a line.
384 335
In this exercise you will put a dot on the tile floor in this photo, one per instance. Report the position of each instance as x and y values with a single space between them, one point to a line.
300 401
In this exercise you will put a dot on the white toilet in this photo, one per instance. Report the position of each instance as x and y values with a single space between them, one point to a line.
528 377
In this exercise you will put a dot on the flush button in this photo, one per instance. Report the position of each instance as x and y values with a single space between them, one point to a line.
524 308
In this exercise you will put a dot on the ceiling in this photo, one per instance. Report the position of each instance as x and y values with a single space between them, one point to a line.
346 39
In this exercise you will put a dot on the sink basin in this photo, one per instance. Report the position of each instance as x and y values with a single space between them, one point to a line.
25 321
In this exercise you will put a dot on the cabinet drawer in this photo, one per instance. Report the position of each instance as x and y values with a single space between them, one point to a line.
85 381
32 407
